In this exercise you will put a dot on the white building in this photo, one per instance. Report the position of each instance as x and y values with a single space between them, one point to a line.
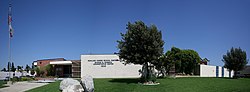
110 66
107 66
214 71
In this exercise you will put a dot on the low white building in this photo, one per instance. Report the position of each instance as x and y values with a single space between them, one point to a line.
214 71
6 75
107 66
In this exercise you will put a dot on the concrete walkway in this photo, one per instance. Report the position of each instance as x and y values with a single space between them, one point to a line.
21 86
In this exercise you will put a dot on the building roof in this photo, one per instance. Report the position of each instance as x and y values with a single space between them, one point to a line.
54 59
100 53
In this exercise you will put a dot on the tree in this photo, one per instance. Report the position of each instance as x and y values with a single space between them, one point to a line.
27 68
141 45
9 66
32 72
189 59
184 61
13 69
167 62
38 71
173 59
235 59
4 70
49 70
160 66
19 68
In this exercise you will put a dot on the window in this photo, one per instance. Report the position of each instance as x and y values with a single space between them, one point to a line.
115 60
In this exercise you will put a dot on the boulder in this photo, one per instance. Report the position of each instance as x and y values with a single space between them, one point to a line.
87 83
70 85
73 88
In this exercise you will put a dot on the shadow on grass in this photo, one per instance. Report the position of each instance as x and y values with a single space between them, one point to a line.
128 81
3 86
227 78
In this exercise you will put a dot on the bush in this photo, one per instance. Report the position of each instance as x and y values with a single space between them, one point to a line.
32 72
15 79
26 79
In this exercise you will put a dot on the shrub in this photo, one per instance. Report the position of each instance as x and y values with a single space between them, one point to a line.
26 79
15 79
32 72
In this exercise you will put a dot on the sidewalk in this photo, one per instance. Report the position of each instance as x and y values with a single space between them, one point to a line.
21 86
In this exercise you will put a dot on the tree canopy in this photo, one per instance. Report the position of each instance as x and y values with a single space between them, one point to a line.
189 59
184 61
141 44
27 68
235 59
13 69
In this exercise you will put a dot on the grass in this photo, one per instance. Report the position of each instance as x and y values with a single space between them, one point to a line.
52 87
166 85
2 83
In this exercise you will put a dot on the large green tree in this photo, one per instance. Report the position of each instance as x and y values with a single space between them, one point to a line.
141 45
184 61
189 59
167 62
235 59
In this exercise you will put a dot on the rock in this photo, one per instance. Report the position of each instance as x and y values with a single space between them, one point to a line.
70 85
73 88
88 83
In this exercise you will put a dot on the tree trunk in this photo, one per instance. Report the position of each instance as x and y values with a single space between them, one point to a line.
144 73
235 75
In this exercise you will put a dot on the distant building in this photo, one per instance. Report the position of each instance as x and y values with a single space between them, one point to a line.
203 62
245 72
213 71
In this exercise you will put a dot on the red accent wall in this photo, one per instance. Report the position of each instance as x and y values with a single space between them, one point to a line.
43 63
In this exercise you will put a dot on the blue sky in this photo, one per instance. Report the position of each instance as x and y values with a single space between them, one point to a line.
68 28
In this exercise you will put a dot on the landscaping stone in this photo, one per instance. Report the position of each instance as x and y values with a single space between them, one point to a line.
73 88
70 85
88 83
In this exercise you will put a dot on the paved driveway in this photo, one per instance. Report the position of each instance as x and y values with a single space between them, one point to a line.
21 86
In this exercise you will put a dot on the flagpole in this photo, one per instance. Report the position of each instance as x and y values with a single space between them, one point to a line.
10 35
9 56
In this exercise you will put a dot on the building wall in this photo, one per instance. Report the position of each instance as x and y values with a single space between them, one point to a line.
107 66
210 71
4 75
76 68
207 71
42 63
226 74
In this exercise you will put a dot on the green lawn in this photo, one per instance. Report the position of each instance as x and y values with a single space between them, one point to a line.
166 85
52 87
